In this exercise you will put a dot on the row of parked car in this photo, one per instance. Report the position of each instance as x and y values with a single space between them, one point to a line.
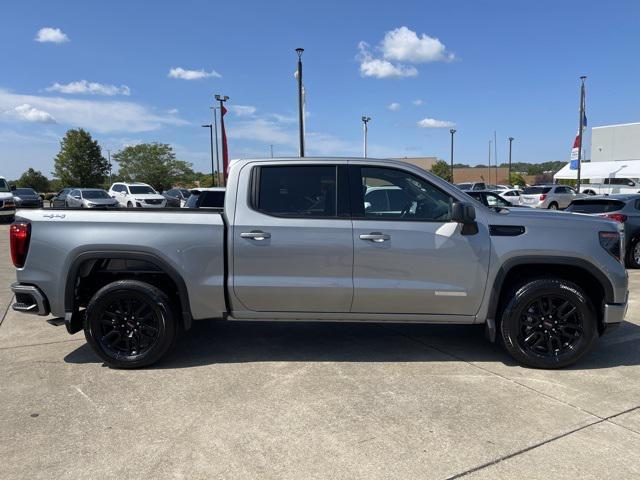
138 195
120 195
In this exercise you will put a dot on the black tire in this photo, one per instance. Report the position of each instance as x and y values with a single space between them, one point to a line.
553 206
530 332
129 205
133 343
633 257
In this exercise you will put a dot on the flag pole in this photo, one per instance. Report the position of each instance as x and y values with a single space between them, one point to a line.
580 129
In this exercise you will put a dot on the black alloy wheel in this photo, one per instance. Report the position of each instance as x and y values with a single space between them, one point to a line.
548 323
130 324
551 325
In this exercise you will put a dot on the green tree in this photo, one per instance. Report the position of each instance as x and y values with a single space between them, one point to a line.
80 162
34 179
442 169
153 163
517 179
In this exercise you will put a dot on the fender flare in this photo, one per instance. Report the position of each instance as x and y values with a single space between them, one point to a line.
507 266
71 319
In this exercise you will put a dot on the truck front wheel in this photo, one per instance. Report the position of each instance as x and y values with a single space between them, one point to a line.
548 323
130 324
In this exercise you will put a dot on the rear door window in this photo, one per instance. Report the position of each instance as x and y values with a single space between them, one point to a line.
297 191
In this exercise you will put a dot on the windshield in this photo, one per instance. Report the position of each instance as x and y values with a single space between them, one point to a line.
464 186
536 190
192 202
141 189
3 185
185 192
95 194
24 191
595 206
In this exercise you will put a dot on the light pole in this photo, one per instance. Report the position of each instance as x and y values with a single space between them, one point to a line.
213 175
300 100
580 129
452 131
110 167
225 153
365 121
509 170
215 133
271 150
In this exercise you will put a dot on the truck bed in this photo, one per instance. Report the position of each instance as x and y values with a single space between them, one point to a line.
189 242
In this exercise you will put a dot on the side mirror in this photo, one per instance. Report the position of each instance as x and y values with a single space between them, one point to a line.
13 187
465 214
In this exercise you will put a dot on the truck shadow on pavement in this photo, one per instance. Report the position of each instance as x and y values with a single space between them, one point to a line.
239 342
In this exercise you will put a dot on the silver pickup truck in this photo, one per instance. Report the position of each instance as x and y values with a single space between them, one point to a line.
326 239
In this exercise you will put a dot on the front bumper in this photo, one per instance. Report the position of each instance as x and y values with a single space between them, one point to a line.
149 205
29 299
613 314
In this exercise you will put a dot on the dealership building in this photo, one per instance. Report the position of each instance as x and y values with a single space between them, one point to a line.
615 143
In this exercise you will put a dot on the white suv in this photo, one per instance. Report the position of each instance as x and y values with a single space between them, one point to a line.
7 204
137 195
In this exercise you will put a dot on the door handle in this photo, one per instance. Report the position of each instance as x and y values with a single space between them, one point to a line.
256 235
375 237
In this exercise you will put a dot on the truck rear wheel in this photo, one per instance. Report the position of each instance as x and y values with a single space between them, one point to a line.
548 323
130 324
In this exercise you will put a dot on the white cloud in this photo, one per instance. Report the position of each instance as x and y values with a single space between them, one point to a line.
27 113
262 130
172 111
103 116
93 88
180 72
418 102
243 110
433 123
404 45
400 45
394 107
52 35
379 68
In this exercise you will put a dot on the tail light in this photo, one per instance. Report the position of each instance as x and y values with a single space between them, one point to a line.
610 241
543 197
19 236
618 217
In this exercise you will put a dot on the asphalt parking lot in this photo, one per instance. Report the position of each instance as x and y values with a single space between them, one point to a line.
267 400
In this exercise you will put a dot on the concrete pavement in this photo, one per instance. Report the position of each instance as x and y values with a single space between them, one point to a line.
268 400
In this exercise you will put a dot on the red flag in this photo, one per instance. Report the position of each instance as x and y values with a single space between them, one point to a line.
225 150
576 142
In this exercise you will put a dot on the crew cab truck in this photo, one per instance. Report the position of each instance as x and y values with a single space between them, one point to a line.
296 241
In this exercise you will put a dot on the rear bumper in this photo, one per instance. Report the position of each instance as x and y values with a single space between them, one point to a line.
29 299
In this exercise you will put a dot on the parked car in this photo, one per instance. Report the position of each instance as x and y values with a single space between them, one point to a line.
621 208
176 197
295 241
471 186
91 198
60 199
206 198
26 198
492 199
609 186
511 195
553 197
7 205
137 195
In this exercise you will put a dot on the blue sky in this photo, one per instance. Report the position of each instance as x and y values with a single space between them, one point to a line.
507 66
